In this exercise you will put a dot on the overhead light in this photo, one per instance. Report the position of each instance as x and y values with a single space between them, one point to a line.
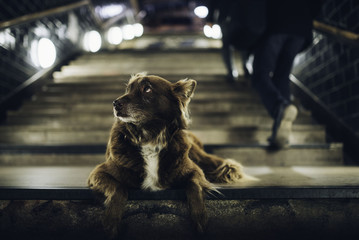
128 32
138 29
207 30
109 11
43 53
114 35
92 41
212 32
216 31
201 11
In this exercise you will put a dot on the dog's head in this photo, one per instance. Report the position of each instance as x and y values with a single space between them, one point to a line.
150 98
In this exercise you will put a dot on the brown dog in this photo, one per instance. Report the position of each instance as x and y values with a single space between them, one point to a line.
150 149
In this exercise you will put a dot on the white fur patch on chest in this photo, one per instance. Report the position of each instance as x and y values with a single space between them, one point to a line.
150 154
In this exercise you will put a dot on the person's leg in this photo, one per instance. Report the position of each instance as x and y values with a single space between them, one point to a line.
265 62
244 54
227 55
286 113
284 65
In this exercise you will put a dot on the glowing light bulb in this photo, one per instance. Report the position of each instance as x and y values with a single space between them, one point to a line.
216 31
201 11
92 41
138 29
207 30
114 35
43 53
128 32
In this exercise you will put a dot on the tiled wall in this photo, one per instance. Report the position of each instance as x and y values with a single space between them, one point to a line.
330 68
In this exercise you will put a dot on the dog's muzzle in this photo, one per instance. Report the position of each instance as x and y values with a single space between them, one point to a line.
117 104
117 107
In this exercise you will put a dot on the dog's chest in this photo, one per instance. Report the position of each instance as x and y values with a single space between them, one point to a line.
150 154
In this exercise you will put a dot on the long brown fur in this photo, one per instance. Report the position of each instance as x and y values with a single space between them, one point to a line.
151 118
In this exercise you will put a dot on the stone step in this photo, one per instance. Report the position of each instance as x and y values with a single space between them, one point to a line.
104 107
206 119
203 127
119 90
160 69
117 79
129 63
110 96
145 55
248 155
195 106
204 83
296 155
75 177
99 136
195 110
120 84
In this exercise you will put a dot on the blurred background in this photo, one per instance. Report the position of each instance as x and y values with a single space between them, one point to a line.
36 36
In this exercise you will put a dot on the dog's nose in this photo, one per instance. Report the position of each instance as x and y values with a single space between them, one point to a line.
116 103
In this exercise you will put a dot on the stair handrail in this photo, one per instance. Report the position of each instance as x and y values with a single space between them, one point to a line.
34 16
342 34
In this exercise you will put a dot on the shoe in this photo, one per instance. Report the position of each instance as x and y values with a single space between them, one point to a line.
232 76
231 79
246 71
282 126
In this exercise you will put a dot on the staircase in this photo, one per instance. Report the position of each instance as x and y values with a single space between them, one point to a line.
49 146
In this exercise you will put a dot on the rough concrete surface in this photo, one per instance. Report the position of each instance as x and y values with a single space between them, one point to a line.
228 219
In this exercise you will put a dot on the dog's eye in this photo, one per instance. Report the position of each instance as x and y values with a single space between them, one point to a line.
147 89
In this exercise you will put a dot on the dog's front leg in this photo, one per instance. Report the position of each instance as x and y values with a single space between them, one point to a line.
115 206
195 199
115 198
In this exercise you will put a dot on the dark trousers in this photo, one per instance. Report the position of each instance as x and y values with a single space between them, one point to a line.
273 60
228 54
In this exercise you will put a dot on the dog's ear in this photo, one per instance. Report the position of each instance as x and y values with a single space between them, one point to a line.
184 88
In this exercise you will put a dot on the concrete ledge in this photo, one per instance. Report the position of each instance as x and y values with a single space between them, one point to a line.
69 183
229 219
101 148
9 193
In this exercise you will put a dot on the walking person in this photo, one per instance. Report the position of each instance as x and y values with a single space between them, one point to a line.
289 31
242 23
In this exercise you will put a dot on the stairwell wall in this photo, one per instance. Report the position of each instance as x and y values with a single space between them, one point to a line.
330 67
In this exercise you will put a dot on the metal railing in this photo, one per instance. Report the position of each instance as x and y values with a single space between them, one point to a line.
42 14
63 26
340 34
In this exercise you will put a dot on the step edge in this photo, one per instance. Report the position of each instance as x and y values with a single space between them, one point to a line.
84 193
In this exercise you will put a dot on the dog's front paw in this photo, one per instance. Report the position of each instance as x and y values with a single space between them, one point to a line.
91 181
234 171
229 172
